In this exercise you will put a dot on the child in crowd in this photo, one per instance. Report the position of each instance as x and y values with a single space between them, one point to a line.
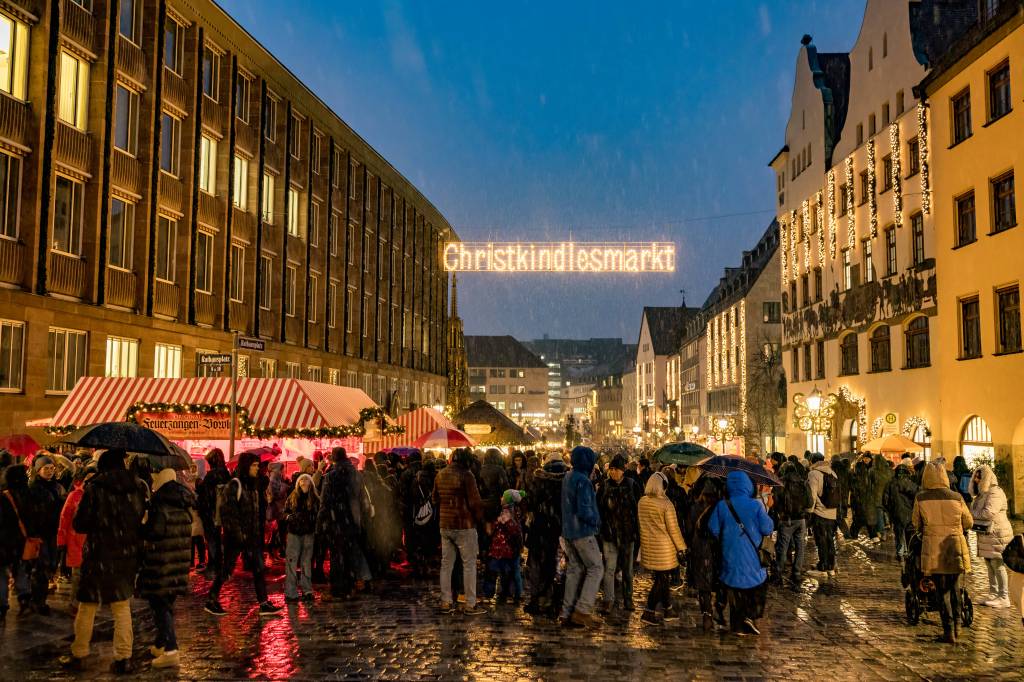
506 549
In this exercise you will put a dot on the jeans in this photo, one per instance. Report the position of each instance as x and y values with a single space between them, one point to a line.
618 558
660 594
214 544
583 558
879 521
84 620
508 571
899 531
463 540
163 619
42 569
298 557
824 531
791 531
232 551
997 580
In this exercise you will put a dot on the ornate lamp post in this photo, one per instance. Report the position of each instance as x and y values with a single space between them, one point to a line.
813 414
724 429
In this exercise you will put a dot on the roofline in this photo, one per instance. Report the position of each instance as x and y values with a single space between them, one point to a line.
785 149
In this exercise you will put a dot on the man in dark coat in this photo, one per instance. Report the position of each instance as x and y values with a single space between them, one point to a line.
166 556
493 483
898 502
620 531
864 510
14 504
47 501
340 521
217 474
544 499
110 516
239 507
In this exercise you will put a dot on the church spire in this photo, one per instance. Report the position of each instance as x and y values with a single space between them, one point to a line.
455 296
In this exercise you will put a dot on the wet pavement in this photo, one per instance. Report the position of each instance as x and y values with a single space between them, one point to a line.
854 629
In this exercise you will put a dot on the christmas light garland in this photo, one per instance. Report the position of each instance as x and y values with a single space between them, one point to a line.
793 267
732 350
743 362
913 424
897 172
709 350
922 155
872 187
851 225
862 412
832 219
783 251
819 228
876 428
805 207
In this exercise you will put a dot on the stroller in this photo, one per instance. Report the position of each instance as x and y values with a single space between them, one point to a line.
920 595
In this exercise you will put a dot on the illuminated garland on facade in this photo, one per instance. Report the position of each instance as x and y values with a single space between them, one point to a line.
897 171
922 153
783 251
732 350
876 428
832 213
708 351
717 340
912 425
872 188
862 412
851 224
806 210
819 227
743 362
793 267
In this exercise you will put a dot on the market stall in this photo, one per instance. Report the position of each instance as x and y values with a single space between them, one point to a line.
489 427
418 422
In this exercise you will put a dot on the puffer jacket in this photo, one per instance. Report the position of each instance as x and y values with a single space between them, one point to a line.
167 541
989 507
458 498
301 509
67 538
898 499
941 516
660 539
580 518
741 565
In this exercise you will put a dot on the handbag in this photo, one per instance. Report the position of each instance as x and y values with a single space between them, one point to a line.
1013 554
32 545
766 550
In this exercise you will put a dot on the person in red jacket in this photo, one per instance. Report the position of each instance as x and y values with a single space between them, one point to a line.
67 538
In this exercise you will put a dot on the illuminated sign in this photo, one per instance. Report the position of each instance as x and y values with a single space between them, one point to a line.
594 257
186 425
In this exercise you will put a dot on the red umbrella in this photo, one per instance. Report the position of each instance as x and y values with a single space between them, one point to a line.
443 438
19 444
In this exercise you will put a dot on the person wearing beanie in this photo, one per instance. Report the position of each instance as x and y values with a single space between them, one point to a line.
15 516
217 475
581 522
47 501
505 551
620 532
300 512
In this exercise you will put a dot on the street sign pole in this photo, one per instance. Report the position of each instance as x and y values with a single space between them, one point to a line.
234 394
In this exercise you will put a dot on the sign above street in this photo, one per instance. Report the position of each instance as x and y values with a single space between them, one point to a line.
215 359
249 343
583 257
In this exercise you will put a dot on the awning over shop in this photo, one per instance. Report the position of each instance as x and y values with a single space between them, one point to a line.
418 422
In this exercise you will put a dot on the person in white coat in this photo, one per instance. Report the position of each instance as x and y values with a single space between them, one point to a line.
989 509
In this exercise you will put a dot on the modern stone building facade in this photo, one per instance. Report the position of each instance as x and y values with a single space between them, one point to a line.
167 183
509 376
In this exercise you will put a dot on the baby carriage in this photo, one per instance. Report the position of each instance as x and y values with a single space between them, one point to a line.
920 595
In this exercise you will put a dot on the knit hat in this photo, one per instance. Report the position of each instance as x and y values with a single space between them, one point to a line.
618 462
553 457
39 461
163 476
512 497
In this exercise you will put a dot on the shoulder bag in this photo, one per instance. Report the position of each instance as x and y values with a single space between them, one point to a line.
766 550
32 545
1013 554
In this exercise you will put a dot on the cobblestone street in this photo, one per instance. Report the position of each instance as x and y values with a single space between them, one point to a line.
854 630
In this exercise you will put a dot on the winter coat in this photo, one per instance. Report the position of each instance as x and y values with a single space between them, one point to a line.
660 539
341 504
816 482
384 528
544 499
300 511
66 536
741 565
580 518
941 516
279 491
617 504
898 499
110 516
206 492
47 501
457 498
493 483
989 507
167 542
793 500
881 474
240 511
408 495
841 469
507 538
12 542
703 554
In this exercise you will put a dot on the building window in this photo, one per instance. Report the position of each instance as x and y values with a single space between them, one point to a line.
844 200
332 235
869 263
211 72
204 262
314 223
294 225
900 105
961 105
863 187
794 364
887 172
295 144
885 114
970 328
289 291
965 226
1008 309
976 442
242 85
314 289
807 362
12 347
350 244
268 368
805 290
913 158
292 370
167 361
270 130
890 250
989 9
126 119
793 304
818 293
174 47
350 308
170 143
166 248
314 159
848 351
819 370
772 312
917 236
208 164
860 134
67 216
266 282
10 194
880 349
267 210
918 347
122 357
73 100
847 270
237 272
14 48
66 349
1004 208
240 193
332 301
999 102
122 228
315 373
872 125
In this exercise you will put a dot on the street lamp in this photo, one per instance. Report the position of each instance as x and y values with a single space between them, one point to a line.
813 414
724 429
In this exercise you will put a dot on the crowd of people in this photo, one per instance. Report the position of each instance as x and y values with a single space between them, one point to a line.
117 529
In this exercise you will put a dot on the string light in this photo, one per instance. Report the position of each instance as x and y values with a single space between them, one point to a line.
784 251
872 197
743 362
832 213
851 225
793 267
709 348
717 350
820 229
805 207
862 412
897 171
876 428
922 155
913 424
732 350
560 257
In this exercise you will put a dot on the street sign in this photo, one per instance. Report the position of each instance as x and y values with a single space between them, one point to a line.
249 343
215 359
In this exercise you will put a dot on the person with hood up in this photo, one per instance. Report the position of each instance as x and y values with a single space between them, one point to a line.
703 554
741 522
300 512
898 502
942 517
793 502
989 509
660 546
581 522
67 538
341 520
278 491
493 483
243 534
457 500
217 474
506 550
47 500
384 526
881 474
961 478
110 515
16 524
841 468
821 478
166 558
544 501
620 531
423 537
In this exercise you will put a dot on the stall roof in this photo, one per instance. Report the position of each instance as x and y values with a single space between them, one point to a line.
418 422
271 403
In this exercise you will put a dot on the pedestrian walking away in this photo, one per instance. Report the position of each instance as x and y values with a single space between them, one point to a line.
992 523
457 497
827 492
581 522
661 544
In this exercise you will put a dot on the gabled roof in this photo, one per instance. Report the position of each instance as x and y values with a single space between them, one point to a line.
937 25
666 327
499 351
736 282
831 74
504 431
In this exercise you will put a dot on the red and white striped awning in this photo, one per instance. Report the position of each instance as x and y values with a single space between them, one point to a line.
418 422
272 403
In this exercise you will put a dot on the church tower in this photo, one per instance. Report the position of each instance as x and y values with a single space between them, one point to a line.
458 367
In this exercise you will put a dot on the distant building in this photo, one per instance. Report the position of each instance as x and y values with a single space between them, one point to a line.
458 367
576 400
508 375
661 330
629 401
585 358
606 421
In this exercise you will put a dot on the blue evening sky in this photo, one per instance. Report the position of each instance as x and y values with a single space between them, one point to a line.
544 120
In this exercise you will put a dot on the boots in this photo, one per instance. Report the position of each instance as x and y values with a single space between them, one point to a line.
947 634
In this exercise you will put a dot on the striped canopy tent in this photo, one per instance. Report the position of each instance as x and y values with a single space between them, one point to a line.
418 422
270 403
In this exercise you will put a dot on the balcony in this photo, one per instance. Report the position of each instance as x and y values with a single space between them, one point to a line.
300 171
166 297
213 115
125 172
73 147
245 138
171 193
10 261
272 157
78 25
211 210
14 116
243 225
66 275
177 92
131 61
205 308
120 288
240 315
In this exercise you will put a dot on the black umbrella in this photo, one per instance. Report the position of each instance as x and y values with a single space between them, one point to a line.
178 459
125 436
721 465
683 454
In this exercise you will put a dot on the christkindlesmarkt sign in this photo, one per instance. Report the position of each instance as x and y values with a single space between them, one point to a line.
567 257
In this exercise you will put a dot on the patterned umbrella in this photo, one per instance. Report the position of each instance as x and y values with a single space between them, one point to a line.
443 438
721 465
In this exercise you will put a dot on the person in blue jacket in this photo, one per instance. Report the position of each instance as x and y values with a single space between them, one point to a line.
744 578
581 522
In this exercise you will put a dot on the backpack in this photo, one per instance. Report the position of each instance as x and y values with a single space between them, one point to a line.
831 496
795 500
222 499
425 512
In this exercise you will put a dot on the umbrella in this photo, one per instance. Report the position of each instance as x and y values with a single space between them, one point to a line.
178 459
266 454
894 443
403 452
444 438
684 454
120 435
19 444
721 465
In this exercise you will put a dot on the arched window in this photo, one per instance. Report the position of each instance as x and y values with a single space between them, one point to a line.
852 435
918 349
923 437
848 353
976 441
880 349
